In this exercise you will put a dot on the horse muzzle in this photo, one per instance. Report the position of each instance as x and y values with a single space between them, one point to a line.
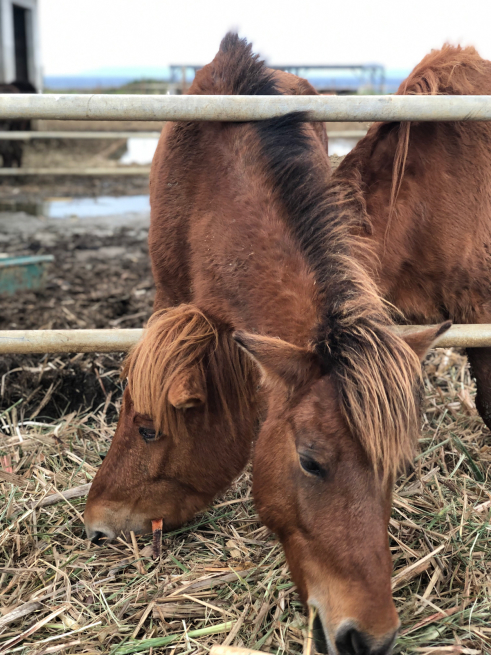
103 524
350 639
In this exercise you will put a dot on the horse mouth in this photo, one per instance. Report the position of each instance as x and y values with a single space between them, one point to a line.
319 637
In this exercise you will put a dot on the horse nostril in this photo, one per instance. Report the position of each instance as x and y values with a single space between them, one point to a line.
354 642
98 538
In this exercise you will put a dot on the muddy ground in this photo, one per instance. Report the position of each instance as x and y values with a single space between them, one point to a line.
100 278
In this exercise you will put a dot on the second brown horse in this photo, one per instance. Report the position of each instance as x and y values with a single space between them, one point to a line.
423 197
255 257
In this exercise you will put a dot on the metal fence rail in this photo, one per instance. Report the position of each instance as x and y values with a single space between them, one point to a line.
114 171
28 136
121 340
67 341
244 108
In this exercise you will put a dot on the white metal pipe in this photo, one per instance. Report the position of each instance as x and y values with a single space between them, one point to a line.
244 108
459 335
67 341
86 341
28 136
116 171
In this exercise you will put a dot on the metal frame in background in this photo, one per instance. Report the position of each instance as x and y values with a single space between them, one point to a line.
371 75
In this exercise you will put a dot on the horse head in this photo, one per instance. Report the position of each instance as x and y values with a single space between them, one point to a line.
185 429
318 486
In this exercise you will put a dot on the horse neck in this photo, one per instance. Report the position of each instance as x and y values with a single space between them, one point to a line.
248 268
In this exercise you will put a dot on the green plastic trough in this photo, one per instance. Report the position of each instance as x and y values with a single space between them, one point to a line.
21 273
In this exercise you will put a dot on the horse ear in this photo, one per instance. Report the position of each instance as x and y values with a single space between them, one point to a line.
422 340
277 358
187 389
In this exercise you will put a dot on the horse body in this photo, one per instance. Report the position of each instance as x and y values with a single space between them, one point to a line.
246 233
427 192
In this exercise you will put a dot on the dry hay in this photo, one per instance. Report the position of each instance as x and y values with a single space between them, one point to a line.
223 579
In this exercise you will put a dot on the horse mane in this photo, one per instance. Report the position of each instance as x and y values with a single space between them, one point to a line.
376 372
174 342
236 71
452 70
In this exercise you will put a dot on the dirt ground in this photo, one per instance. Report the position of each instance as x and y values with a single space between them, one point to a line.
73 153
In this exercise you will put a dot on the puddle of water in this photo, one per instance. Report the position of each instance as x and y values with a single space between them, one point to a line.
339 146
139 151
92 207
80 207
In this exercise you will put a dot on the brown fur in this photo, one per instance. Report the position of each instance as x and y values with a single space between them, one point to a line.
449 71
245 230
203 447
377 374
426 193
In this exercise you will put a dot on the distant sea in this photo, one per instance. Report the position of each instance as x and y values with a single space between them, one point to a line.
84 82
87 82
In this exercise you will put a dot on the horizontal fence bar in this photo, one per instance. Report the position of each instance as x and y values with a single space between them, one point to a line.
111 107
127 170
67 341
28 136
459 335
105 341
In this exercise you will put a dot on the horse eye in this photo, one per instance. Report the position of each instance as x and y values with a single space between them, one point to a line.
312 467
148 434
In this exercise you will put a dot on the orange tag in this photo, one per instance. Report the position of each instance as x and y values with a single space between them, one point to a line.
157 537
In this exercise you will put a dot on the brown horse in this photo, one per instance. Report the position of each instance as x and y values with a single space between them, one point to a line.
247 236
193 362
424 190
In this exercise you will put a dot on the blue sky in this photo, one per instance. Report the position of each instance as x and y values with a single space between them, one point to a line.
81 36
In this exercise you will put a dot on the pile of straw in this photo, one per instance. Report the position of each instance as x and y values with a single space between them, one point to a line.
223 578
